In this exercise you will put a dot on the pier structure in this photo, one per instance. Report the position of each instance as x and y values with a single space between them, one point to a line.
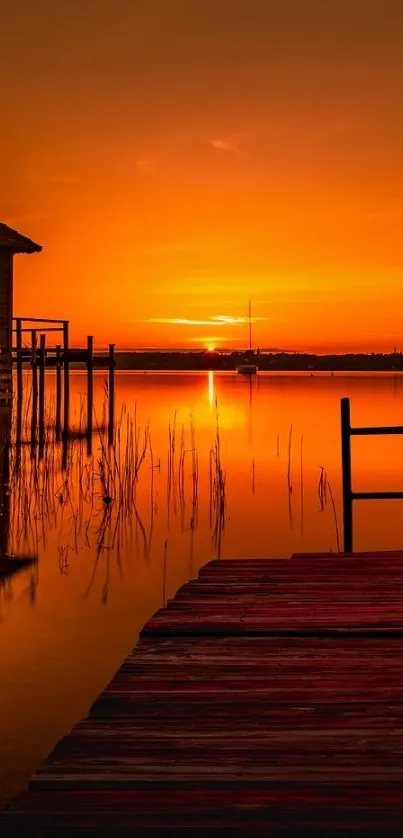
59 355
41 343
11 244
37 344
264 699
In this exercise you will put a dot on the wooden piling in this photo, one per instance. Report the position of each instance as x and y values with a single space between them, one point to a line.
19 382
42 365
58 424
66 384
19 355
34 365
64 354
34 349
111 389
90 391
66 342
346 475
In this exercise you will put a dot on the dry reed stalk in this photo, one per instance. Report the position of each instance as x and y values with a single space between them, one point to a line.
321 488
335 516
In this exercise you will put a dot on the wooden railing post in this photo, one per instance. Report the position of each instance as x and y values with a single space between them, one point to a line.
34 362
19 380
19 356
111 388
58 392
90 391
346 475
42 363
65 338
66 379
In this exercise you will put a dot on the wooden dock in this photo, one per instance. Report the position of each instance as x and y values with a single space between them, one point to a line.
265 699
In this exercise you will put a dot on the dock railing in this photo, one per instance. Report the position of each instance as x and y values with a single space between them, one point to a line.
38 356
348 494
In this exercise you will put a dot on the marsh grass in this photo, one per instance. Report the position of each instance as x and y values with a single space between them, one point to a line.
322 489
218 479
336 525
89 499
325 489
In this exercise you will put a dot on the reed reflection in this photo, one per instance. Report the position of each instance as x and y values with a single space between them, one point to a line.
12 560
118 529
214 476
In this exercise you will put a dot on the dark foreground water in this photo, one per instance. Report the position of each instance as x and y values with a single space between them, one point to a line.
203 465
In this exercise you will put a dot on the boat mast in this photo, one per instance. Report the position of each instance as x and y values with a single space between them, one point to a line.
250 327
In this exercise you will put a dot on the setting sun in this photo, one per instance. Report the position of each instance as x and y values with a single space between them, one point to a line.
201 295
291 197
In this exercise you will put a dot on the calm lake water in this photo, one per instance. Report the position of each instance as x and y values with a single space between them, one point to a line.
203 465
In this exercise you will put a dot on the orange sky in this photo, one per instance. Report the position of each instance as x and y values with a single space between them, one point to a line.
178 157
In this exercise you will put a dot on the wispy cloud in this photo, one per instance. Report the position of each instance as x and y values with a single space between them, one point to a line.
217 320
229 145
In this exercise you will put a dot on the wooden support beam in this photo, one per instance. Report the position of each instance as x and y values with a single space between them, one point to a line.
90 391
66 381
34 345
58 392
42 320
42 365
111 390
34 416
346 475
376 431
19 357
377 495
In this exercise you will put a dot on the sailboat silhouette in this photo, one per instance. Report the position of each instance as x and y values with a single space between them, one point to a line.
249 368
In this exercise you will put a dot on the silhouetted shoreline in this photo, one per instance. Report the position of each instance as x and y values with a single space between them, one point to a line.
374 362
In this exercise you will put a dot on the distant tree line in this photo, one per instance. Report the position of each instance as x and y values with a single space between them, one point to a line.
375 361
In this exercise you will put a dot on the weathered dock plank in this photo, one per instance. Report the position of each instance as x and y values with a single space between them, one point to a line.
266 699
328 595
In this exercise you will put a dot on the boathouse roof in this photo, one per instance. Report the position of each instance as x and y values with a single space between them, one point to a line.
13 240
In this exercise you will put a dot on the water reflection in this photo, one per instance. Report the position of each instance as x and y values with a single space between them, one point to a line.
202 466
211 396
5 431
166 466
10 562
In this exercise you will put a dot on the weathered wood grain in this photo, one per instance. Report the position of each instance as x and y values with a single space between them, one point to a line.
266 699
